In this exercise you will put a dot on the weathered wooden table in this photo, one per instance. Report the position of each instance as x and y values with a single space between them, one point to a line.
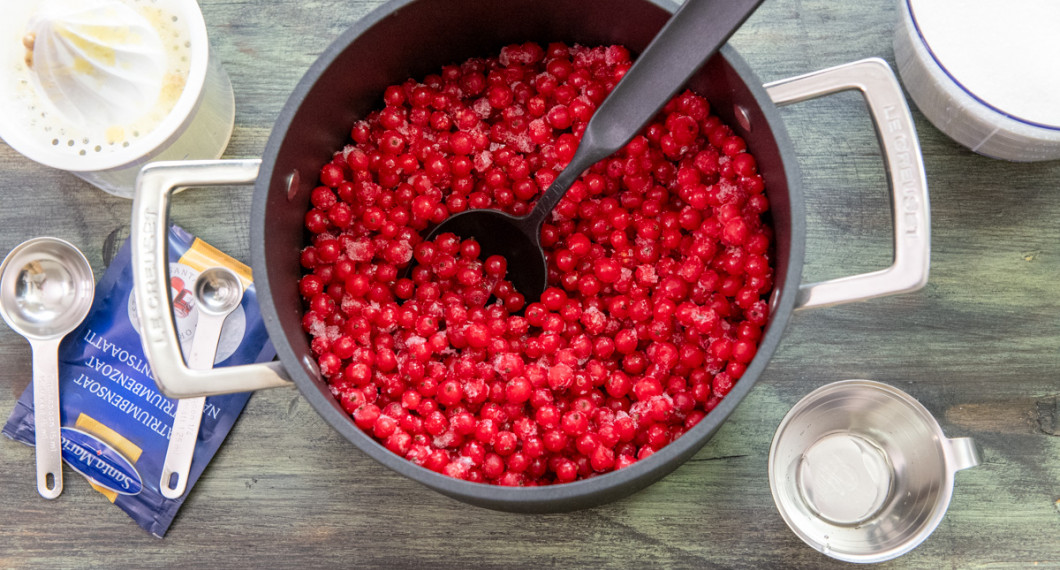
978 346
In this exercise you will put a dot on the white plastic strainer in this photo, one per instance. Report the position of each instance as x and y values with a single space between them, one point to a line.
100 87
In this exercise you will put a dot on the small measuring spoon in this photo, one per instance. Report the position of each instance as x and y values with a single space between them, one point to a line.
218 291
46 290
687 40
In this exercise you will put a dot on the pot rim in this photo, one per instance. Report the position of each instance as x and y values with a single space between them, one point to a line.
550 498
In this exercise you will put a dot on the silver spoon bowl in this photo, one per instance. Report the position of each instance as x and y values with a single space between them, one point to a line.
46 290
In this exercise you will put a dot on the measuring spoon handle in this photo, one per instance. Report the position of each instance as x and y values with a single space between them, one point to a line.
181 448
204 341
177 465
47 434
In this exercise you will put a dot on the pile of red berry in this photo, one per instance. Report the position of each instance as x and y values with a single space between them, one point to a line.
659 265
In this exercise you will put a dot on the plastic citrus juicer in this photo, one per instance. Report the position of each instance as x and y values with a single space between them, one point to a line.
101 87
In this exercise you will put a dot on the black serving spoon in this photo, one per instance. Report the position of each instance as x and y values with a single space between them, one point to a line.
694 33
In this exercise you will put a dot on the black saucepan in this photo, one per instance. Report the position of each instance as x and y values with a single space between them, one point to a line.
411 38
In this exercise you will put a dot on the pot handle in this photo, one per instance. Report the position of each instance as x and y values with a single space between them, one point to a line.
150 246
905 174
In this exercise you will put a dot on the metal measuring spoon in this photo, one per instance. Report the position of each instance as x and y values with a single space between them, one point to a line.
218 291
46 290
687 40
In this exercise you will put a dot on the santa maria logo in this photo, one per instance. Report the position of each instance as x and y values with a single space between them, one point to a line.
100 463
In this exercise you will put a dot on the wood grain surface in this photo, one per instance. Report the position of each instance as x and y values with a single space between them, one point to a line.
978 347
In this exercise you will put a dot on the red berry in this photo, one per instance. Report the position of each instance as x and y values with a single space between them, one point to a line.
331 175
659 271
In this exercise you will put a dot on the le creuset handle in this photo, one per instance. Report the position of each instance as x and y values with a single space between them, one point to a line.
905 172
150 245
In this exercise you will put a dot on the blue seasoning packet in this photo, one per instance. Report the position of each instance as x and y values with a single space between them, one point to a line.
115 421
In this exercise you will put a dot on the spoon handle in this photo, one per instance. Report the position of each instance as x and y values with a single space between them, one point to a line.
186 420
47 434
697 30
181 448
689 38
204 341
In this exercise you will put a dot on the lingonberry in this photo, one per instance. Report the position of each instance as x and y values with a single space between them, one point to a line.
659 267
331 175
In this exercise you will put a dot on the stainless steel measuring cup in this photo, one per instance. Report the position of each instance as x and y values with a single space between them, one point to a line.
46 290
862 472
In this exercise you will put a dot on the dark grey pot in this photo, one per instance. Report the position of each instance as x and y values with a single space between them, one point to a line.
410 38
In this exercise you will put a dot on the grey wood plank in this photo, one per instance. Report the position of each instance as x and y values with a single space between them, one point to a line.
978 347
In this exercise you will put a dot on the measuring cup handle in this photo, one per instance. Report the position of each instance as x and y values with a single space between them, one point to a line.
47 436
905 173
155 186
962 453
